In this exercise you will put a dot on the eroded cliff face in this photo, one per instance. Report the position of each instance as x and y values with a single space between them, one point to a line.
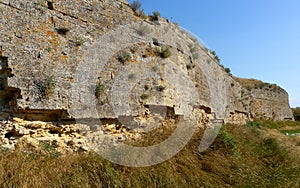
92 59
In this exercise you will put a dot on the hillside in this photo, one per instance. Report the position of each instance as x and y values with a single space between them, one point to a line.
241 156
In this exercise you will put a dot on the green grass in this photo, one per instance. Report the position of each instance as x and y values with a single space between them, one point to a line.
272 124
291 131
229 142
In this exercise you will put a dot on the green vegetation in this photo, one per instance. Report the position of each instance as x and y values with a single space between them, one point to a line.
161 88
165 51
124 56
143 15
136 6
190 66
241 156
155 16
230 142
296 131
45 86
252 124
213 53
216 57
48 49
228 70
49 84
273 125
79 41
144 96
193 50
296 112
99 90
48 148
143 30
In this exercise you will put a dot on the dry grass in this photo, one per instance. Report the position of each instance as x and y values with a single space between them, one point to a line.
257 84
261 162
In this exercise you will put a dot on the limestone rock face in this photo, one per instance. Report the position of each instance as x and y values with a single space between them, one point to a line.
42 135
87 59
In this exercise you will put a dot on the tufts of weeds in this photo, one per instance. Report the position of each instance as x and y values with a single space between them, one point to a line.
124 56
45 87
229 142
136 6
144 96
165 52
143 15
143 30
253 124
79 41
99 90
277 124
155 16
160 88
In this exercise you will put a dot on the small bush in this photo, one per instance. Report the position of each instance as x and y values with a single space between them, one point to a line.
271 148
248 88
213 53
228 70
136 6
79 41
99 90
190 66
229 141
161 88
252 124
145 96
131 76
50 84
165 52
217 59
143 15
193 50
155 16
124 56
143 30
45 86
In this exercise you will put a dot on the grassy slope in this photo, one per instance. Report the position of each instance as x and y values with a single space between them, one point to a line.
241 156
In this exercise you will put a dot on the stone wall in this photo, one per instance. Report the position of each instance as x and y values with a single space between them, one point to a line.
267 103
96 59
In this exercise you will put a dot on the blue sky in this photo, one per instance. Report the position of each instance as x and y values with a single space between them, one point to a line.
254 38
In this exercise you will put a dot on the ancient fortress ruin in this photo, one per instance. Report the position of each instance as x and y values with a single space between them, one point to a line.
65 60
